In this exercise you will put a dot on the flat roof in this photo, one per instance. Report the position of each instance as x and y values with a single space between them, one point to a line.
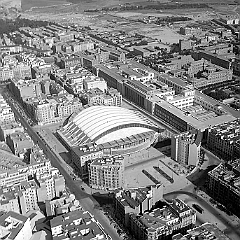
194 122
208 99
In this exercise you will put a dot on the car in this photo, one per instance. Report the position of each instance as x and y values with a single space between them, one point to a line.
198 208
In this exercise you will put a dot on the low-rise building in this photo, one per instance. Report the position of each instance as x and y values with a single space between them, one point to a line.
163 223
136 201
9 128
94 82
52 109
106 173
19 143
223 185
224 140
14 170
15 226
205 231
6 113
9 200
96 97
77 224
63 204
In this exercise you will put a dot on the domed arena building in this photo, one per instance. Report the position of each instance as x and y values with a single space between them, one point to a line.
114 130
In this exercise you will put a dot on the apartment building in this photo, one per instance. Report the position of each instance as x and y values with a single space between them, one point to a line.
94 82
15 226
201 73
23 89
106 173
136 201
96 97
116 73
22 71
79 46
19 143
82 155
27 195
188 30
51 184
224 140
41 70
6 113
163 223
14 170
206 231
52 109
64 204
85 226
223 185
185 147
70 61
9 200
6 73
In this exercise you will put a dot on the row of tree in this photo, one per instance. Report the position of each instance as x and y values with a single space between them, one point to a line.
11 25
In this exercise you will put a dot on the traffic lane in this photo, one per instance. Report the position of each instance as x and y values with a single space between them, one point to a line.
85 199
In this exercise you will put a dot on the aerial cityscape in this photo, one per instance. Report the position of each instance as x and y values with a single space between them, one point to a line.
119 120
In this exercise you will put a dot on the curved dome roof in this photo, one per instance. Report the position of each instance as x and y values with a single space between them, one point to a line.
106 123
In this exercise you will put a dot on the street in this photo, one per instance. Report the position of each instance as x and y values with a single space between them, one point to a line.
86 200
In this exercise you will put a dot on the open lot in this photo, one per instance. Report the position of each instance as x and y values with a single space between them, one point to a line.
134 177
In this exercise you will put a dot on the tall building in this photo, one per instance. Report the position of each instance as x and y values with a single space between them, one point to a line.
50 185
27 194
223 185
106 173
136 201
14 226
185 147
163 223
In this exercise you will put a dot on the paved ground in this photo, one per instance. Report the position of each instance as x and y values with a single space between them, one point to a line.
134 177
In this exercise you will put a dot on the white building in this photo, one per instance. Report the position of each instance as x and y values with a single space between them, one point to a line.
185 148
14 226
94 82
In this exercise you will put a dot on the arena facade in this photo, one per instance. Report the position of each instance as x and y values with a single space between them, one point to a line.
106 130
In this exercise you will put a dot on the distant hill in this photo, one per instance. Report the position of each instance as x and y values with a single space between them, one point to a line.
11 3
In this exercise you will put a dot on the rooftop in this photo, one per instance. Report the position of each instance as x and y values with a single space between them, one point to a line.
206 231
77 224
229 174
11 223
